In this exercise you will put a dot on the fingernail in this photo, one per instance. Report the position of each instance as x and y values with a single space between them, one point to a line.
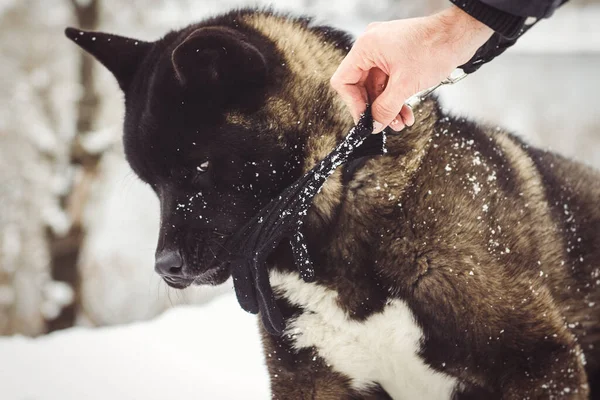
395 127
377 127
407 124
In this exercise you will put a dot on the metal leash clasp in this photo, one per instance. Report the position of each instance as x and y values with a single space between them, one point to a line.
416 99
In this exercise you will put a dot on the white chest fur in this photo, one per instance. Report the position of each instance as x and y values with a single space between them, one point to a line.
382 349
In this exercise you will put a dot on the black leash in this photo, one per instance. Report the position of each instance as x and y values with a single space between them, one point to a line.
282 219
496 45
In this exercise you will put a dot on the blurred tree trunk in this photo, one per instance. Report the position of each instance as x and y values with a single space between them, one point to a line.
37 125
65 249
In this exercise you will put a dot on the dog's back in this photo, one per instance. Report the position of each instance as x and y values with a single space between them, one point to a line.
492 245
573 194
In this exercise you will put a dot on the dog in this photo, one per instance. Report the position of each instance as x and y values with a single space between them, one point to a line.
462 264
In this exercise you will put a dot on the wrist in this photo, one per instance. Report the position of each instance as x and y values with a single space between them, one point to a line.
465 34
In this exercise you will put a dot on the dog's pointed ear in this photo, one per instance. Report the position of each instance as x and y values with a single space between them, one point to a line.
218 56
120 55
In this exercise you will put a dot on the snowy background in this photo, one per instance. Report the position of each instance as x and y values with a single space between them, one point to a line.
78 230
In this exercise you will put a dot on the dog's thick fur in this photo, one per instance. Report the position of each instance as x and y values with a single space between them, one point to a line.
488 248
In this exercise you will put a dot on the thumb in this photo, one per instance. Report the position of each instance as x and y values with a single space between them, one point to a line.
388 105
349 81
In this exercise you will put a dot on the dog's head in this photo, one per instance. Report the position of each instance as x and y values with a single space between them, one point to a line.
219 119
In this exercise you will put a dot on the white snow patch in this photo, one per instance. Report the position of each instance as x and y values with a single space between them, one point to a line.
212 352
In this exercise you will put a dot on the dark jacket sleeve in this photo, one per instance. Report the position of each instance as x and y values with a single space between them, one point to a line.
507 17
526 8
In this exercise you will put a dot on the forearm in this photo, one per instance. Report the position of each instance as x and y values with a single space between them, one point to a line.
463 33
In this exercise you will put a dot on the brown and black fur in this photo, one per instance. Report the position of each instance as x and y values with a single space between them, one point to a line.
494 245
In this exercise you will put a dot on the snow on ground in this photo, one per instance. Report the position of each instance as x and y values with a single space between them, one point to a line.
210 352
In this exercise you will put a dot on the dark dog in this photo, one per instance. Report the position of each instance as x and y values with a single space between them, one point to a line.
463 263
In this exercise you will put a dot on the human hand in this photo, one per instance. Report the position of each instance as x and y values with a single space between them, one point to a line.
394 60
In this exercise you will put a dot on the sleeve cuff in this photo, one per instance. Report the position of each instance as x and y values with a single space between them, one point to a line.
506 24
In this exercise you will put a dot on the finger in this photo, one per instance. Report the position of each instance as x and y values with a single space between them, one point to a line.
375 83
356 98
397 123
348 80
407 115
244 286
388 105
354 95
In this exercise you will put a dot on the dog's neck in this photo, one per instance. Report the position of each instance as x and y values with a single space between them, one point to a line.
404 152
354 194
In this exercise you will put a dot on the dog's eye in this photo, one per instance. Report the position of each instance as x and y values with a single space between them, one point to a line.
199 176
203 167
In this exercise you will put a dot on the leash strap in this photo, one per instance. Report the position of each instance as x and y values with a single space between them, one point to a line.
282 219
495 46
498 43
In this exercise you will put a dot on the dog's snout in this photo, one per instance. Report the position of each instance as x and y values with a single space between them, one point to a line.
169 264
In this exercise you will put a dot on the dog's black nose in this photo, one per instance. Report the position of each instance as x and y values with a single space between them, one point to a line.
169 264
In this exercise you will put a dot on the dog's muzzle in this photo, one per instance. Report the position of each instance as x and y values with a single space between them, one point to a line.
169 265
